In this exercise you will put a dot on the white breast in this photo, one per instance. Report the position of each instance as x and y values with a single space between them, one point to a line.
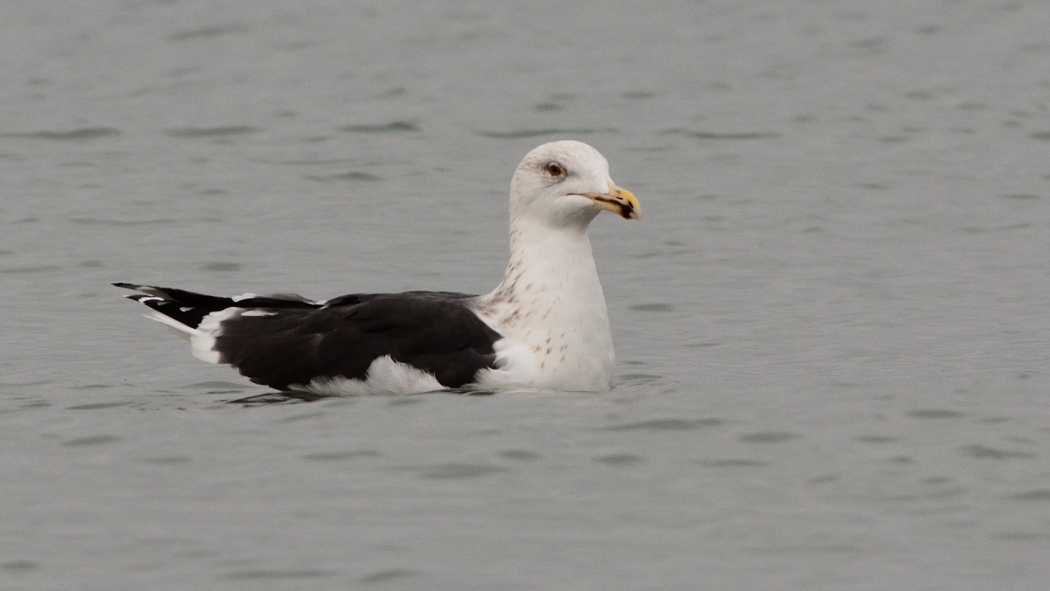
551 311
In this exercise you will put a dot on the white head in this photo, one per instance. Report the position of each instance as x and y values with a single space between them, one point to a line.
567 183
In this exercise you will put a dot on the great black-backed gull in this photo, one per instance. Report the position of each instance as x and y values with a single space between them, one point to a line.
544 326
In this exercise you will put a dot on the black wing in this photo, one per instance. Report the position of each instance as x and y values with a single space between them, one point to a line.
292 340
190 308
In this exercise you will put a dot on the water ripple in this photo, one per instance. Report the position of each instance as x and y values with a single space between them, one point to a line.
1039 494
221 266
28 270
272 575
384 576
456 471
623 459
98 406
768 437
99 222
667 424
86 133
733 463
346 176
874 439
935 413
19 565
94 440
339 456
518 134
392 127
712 135
991 453
652 308
520 455
206 32
204 132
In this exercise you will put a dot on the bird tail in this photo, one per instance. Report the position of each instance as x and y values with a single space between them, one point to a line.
180 310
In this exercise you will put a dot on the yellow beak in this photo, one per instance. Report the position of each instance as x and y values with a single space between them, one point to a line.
618 200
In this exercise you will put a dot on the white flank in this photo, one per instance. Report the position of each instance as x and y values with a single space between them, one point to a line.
385 377
517 366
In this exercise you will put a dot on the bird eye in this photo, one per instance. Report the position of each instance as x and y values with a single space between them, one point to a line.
554 169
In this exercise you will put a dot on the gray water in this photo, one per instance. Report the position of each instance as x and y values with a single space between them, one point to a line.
832 324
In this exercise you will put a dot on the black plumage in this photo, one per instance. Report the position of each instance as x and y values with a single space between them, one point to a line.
286 341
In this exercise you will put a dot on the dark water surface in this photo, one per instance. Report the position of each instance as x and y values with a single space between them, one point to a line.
832 325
